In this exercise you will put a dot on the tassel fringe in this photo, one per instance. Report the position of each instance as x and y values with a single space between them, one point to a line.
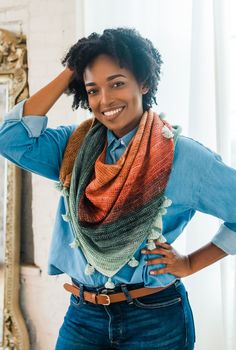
74 244
133 262
109 284
167 133
58 186
156 230
61 188
89 270
162 116
167 202
66 217
151 244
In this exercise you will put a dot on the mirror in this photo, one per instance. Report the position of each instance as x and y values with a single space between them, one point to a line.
13 88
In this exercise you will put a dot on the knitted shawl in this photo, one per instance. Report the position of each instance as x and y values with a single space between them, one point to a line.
113 208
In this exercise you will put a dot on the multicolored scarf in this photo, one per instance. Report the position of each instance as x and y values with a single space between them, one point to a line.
113 208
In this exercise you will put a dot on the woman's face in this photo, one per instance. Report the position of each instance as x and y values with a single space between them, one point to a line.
114 95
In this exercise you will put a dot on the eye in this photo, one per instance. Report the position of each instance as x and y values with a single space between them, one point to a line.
118 83
91 92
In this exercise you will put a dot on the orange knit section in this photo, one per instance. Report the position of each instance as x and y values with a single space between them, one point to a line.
135 179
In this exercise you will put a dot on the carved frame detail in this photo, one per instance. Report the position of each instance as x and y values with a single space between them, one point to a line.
13 65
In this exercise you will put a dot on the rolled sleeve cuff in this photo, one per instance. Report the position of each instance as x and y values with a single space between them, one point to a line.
225 239
15 113
35 125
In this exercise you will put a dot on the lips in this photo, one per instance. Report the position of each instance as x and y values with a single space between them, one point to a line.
107 110
113 113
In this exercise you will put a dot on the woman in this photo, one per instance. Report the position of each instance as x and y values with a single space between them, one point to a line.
130 185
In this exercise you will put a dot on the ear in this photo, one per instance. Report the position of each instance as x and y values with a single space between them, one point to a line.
144 89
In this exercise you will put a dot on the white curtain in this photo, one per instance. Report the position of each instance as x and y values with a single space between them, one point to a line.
222 31
214 302
192 93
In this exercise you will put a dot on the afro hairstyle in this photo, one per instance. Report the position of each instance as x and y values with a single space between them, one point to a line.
128 48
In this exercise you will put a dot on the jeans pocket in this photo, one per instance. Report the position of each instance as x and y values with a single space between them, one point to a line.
75 301
154 302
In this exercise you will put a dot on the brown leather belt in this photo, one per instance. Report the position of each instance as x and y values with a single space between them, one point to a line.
107 299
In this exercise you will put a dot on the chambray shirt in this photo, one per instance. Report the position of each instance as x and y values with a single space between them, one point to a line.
199 181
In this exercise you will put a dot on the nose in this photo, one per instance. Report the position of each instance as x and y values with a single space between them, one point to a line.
106 98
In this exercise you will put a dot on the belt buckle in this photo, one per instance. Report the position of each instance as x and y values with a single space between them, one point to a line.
108 299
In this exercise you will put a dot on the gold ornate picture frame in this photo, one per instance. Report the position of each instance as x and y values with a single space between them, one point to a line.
13 89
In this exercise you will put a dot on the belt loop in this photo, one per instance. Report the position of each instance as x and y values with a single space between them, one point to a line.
177 283
126 292
81 294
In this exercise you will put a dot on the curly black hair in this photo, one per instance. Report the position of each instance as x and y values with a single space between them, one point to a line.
128 48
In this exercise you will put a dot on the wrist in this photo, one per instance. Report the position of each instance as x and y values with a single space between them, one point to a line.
67 76
68 72
189 265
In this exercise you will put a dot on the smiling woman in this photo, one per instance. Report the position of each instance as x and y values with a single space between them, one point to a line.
116 99
122 174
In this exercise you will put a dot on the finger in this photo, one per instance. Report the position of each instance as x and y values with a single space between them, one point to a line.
160 251
164 252
162 244
159 272
148 251
158 261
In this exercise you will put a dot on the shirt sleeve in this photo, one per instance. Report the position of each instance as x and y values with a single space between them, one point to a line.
216 196
28 143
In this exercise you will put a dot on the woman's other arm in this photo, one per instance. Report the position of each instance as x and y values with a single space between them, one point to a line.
183 265
41 102
214 194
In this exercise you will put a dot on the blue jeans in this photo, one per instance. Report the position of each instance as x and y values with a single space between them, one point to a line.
161 321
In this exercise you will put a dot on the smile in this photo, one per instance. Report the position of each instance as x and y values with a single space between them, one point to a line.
113 113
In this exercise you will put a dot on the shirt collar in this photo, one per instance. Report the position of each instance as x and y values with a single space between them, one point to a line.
126 138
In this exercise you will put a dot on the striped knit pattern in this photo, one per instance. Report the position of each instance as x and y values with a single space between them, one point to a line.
113 206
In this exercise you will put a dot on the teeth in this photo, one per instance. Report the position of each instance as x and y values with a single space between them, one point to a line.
112 112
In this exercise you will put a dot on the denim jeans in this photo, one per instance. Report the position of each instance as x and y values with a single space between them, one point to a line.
161 321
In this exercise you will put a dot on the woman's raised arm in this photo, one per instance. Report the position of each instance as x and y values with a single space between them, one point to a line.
40 102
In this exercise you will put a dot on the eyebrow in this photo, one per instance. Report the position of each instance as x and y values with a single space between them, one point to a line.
111 77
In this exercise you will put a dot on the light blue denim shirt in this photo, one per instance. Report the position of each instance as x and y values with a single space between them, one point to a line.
115 146
199 180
